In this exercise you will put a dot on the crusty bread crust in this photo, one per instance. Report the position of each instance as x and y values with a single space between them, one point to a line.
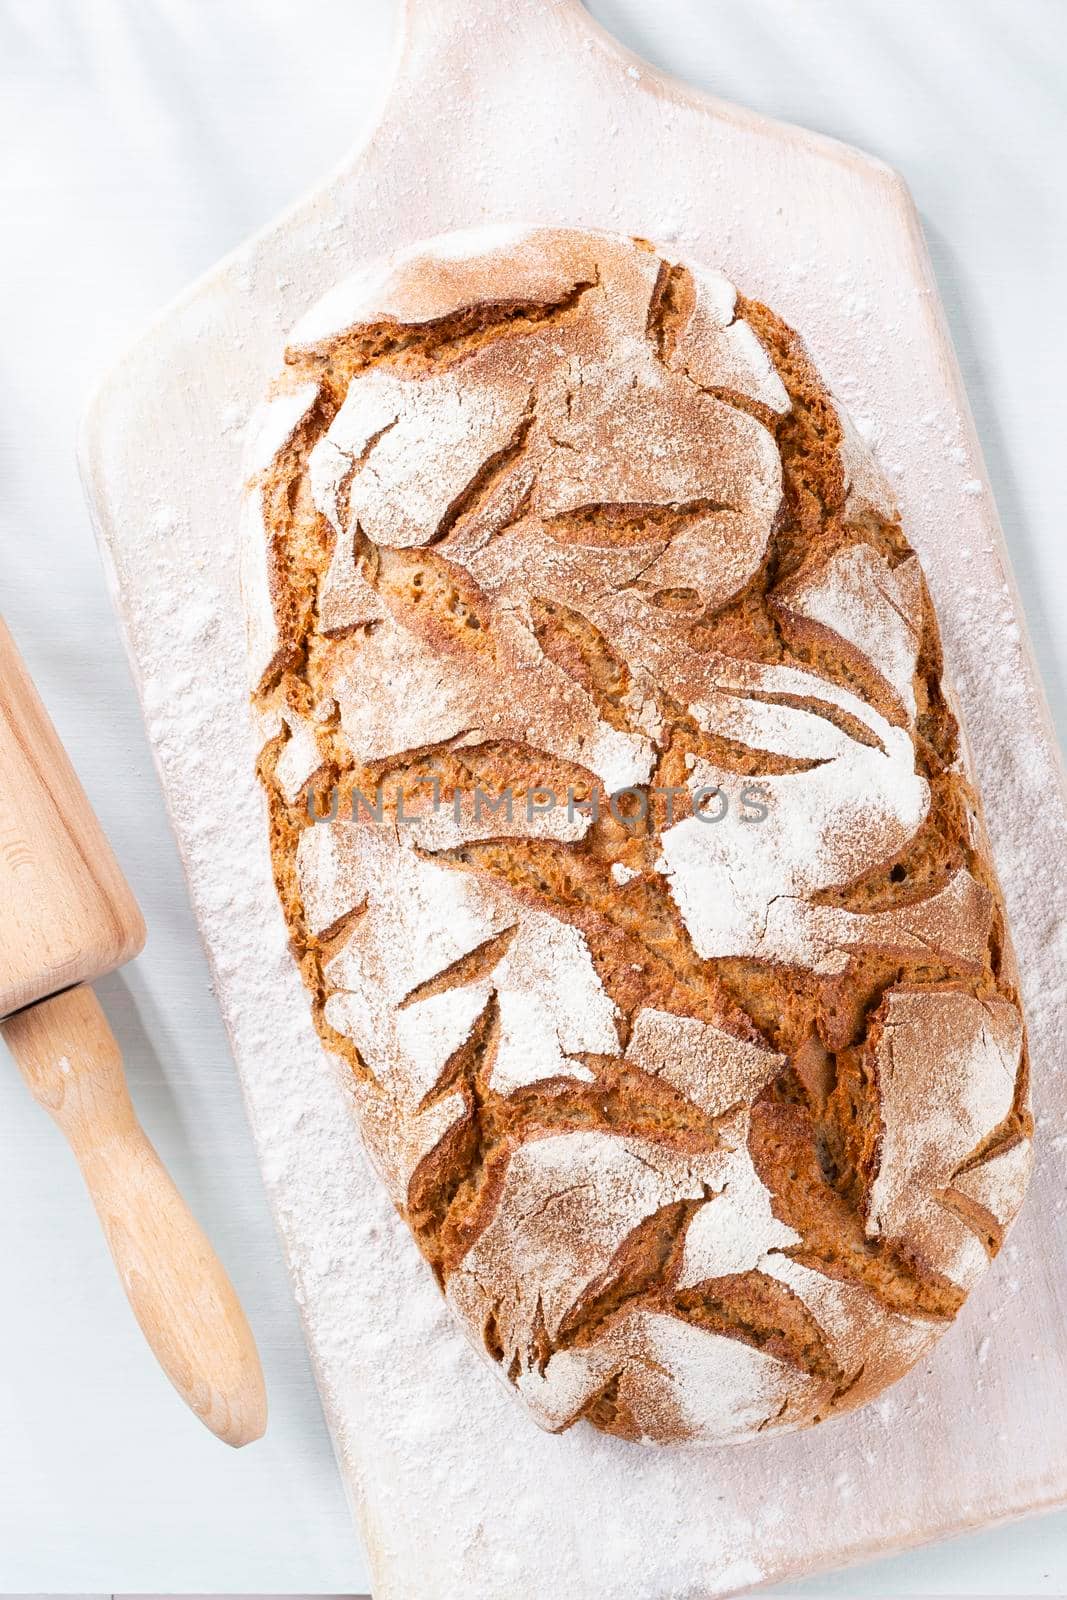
704 1127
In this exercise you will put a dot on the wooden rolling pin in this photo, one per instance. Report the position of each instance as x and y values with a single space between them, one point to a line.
67 916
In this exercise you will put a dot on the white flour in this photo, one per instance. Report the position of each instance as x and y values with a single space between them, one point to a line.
460 1497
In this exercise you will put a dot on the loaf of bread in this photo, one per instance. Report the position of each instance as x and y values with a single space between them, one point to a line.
625 835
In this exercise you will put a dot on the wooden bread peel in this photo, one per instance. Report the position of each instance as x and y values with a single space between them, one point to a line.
68 916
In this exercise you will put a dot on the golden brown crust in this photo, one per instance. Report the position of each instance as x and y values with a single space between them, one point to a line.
559 514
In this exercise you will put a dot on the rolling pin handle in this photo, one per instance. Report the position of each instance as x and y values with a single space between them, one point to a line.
177 1288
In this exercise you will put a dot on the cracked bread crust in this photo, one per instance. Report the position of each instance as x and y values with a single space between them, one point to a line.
704 1128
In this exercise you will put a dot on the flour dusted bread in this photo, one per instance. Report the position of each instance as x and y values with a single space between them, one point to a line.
654 918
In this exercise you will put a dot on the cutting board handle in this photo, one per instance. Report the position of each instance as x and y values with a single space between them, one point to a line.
478 20
178 1290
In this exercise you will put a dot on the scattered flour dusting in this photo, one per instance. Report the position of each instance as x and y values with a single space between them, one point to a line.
459 1496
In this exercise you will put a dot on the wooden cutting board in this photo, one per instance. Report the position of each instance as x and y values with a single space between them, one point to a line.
525 110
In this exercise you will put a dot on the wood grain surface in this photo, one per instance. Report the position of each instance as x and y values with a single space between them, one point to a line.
66 912
524 110
176 1286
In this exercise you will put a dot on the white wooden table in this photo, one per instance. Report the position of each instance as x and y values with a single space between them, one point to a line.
142 139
